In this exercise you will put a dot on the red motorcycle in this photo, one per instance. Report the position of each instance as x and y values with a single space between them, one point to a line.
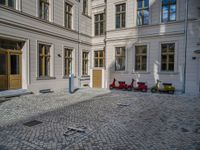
141 86
122 85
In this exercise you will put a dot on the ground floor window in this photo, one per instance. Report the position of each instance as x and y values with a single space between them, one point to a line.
85 63
141 58
167 57
120 58
99 58
44 60
67 61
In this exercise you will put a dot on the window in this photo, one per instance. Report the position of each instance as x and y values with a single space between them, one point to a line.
44 9
68 16
8 3
167 57
120 58
85 63
99 58
99 24
85 7
168 10
44 60
143 12
121 15
140 58
68 62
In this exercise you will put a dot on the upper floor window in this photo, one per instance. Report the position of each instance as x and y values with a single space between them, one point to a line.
141 58
121 15
168 10
99 24
44 60
120 58
143 12
85 63
68 16
44 9
99 58
167 57
85 7
8 3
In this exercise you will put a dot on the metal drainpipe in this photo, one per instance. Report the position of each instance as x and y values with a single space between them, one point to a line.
105 11
78 43
186 40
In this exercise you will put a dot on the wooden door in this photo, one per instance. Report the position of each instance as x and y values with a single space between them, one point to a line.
97 78
3 70
14 69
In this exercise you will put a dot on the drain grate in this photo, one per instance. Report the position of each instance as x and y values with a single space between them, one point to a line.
32 123
72 131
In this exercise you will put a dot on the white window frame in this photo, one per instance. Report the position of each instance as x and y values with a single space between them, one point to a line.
51 10
148 58
177 12
87 51
175 57
52 58
73 9
120 3
73 60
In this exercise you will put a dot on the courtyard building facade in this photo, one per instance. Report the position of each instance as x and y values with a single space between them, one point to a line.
42 42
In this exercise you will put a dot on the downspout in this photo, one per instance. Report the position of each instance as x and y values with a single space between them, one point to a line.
186 40
105 12
78 43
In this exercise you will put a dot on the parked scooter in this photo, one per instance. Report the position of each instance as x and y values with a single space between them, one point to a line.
141 86
122 85
167 88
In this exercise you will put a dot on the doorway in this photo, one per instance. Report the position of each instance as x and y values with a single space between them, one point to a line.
97 78
10 69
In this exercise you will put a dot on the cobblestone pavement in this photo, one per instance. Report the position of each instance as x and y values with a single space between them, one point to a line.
105 120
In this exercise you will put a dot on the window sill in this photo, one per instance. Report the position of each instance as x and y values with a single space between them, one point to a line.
121 71
99 36
118 29
168 73
67 77
143 25
46 78
141 72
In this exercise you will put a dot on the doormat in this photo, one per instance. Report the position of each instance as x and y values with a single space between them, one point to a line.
32 123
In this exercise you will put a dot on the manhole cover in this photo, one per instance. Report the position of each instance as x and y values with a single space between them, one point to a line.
32 123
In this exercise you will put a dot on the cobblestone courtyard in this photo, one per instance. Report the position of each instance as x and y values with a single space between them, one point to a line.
104 120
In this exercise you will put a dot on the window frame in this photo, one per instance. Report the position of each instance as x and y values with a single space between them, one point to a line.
6 4
120 56
167 63
143 9
168 6
120 13
68 71
85 60
42 74
98 58
42 13
140 55
85 7
99 21
68 14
